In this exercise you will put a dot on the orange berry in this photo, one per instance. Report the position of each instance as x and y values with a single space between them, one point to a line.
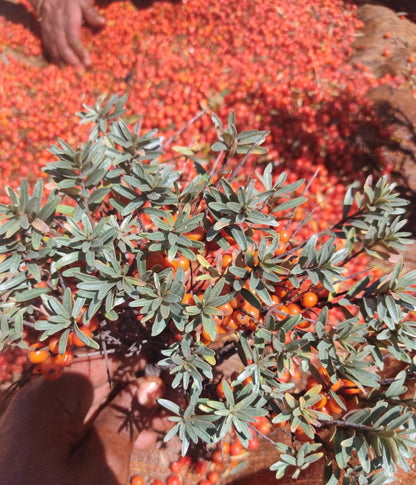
281 291
205 337
253 444
284 235
226 310
236 448
77 341
201 467
281 248
220 390
227 259
348 388
188 299
65 359
137 480
217 457
333 407
337 385
50 369
38 356
300 435
322 403
196 235
185 461
54 345
283 312
324 374
224 447
173 480
176 466
93 324
293 309
309 299
182 262
213 476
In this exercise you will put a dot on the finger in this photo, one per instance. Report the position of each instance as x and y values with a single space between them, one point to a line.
110 440
44 421
95 368
103 374
78 50
56 44
145 440
72 50
91 15
159 424
93 19
49 44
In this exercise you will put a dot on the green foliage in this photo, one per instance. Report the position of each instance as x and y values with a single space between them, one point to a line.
108 242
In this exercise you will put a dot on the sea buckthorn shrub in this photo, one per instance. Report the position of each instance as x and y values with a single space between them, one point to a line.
125 254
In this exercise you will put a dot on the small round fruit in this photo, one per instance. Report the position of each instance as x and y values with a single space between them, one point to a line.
137 480
236 448
77 341
38 356
253 444
173 480
201 467
176 466
309 299
213 476
217 457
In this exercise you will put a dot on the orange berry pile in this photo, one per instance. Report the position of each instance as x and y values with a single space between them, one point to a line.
280 65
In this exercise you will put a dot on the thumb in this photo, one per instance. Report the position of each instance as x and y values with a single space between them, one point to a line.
91 15
41 425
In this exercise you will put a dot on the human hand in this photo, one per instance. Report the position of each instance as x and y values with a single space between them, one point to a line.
60 431
60 24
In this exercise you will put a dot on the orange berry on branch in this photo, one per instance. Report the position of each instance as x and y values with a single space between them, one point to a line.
236 448
253 444
38 356
77 340
50 369
284 235
309 299
348 388
217 457
224 447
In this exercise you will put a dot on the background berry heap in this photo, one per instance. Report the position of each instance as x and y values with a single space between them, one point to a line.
256 327
277 64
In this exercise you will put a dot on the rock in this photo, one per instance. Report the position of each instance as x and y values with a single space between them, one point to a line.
395 106
386 42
